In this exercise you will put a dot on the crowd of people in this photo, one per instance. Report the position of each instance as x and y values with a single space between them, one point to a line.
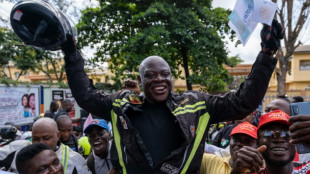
157 131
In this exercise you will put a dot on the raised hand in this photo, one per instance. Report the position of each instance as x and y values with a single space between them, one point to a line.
248 158
271 36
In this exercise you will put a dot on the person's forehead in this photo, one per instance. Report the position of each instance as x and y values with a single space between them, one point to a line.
275 126
96 129
242 136
65 123
280 104
43 132
43 158
156 64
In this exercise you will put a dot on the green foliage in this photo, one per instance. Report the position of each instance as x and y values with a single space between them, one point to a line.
9 81
233 82
107 87
27 58
13 50
233 61
182 32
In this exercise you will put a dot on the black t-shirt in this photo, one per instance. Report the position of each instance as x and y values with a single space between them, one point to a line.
158 129
222 139
72 143
49 114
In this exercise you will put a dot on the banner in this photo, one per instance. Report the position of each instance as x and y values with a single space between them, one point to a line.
18 104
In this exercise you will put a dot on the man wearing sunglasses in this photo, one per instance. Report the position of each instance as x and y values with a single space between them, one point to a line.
273 131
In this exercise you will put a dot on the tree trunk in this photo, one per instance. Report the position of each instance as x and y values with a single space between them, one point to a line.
62 70
20 74
281 74
186 70
286 14
10 72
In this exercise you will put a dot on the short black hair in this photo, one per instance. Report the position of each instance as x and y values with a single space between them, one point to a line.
62 118
298 99
67 105
54 106
27 153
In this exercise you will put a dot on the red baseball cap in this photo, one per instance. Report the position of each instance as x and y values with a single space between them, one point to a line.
245 128
274 116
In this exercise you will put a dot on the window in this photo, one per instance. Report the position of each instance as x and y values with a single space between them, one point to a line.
17 75
304 65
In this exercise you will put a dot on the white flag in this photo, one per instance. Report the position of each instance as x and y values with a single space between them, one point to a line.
264 11
241 20
247 14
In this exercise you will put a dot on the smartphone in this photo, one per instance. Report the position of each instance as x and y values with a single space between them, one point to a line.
297 109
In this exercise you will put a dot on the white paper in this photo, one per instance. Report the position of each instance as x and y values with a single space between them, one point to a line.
264 11
241 20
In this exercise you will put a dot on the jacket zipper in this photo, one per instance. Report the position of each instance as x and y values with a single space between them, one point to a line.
125 155
184 158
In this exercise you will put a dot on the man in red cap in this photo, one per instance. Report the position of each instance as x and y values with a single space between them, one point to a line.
273 132
243 135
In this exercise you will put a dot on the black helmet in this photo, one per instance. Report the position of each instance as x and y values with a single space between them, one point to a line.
39 24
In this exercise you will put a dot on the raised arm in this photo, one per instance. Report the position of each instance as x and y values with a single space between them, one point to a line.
236 105
83 90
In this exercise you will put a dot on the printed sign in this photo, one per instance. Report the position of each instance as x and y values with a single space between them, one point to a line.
18 104
58 95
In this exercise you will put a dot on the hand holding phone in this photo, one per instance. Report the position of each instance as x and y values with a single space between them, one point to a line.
300 130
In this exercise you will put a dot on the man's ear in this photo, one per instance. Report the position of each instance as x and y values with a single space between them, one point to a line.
58 135
139 79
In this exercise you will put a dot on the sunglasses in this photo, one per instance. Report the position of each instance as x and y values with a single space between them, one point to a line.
273 134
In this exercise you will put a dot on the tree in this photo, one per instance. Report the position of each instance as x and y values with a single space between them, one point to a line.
293 16
233 61
27 58
185 33
13 50
51 64
234 81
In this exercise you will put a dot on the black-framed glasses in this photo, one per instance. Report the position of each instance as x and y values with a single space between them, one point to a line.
273 134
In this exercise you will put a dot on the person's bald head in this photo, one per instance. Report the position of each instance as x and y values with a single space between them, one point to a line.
279 104
155 77
45 131
150 60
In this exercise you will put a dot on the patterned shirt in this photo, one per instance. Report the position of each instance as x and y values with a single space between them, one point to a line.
299 168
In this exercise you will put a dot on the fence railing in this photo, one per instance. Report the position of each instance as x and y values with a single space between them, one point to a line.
271 95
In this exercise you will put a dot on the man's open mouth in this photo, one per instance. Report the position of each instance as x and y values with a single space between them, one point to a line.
278 150
159 89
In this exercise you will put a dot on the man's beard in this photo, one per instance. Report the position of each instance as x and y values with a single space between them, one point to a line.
275 162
